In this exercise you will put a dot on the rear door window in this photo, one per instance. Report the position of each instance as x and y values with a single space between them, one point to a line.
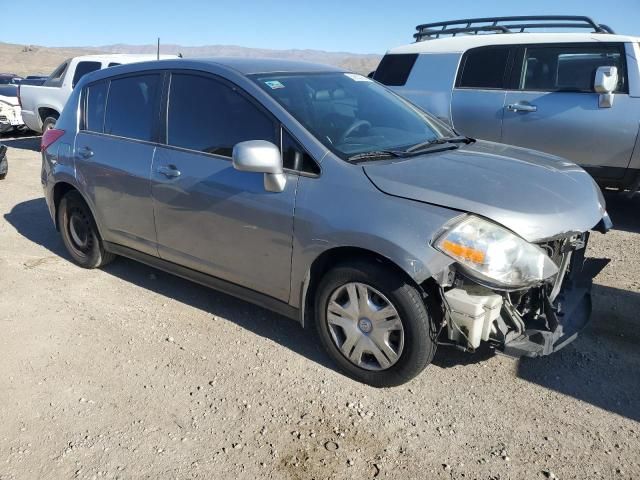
132 107
210 116
569 68
484 68
82 69
96 98
394 69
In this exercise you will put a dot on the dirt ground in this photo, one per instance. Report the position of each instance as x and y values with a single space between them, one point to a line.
129 372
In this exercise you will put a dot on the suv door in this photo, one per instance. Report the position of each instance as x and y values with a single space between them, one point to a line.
209 216
113 154
553 107
477 100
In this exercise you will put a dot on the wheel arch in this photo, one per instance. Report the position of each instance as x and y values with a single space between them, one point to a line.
44 112
338 255
60 189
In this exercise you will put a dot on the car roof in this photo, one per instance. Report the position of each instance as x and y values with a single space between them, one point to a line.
233 65
253 65
461 43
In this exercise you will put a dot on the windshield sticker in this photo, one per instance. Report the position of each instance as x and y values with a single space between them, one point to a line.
273 84
357 78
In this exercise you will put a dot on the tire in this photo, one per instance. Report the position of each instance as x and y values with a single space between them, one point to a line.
49 123
413 345
80 234
4 168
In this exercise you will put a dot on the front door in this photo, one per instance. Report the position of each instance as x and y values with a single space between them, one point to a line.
209 216
554 108
114 151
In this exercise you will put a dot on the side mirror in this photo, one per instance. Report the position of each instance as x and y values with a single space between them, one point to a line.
604 83
260 156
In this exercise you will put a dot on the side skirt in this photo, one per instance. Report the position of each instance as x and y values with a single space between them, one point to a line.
229 288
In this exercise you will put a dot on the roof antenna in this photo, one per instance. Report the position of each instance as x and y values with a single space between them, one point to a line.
158 54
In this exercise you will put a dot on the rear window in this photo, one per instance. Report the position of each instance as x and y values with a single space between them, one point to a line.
82 69
484 68
132 106
394 70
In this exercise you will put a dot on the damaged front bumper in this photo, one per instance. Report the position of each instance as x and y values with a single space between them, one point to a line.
532 322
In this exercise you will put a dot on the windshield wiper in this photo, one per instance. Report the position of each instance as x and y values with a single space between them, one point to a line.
438 141
376 154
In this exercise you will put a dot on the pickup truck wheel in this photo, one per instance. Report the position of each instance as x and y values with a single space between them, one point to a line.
80 234
374 324
49 123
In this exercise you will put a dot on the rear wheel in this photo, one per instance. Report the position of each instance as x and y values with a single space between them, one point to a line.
49 123
374 324
80 233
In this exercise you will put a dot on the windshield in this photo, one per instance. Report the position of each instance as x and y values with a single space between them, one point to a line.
350 113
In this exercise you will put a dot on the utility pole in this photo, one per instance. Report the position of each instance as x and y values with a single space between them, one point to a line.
158 54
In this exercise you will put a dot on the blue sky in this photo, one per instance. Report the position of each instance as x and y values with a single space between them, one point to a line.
337 25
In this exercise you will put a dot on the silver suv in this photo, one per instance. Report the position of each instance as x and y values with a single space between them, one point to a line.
572 94
323 196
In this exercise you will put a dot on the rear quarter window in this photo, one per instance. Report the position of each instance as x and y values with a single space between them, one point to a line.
94 107
484 68
394 69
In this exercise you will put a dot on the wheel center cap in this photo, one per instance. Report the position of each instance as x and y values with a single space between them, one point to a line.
365 325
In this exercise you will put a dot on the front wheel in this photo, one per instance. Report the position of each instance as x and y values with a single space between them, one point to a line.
80 233
374 324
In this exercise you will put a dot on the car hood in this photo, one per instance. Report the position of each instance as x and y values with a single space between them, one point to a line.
537 196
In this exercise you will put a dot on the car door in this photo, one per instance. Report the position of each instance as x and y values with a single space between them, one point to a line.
477 99
114 151
554 108
209 216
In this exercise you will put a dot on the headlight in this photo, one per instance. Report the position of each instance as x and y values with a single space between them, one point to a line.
494 254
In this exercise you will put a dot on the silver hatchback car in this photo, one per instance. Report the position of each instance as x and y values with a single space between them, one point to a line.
322 195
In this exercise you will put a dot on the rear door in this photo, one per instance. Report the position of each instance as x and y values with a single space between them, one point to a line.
114 152
553 107
478 96
209 216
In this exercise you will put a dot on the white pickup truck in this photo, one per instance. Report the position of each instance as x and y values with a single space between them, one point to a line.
43 100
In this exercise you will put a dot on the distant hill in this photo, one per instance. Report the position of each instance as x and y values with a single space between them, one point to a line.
33 59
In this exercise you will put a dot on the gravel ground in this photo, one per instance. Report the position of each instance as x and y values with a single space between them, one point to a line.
129 372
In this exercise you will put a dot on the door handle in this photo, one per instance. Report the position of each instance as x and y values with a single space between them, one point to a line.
521 107
169 171
86 152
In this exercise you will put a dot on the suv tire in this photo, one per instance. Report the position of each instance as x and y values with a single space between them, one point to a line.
407 350
80 233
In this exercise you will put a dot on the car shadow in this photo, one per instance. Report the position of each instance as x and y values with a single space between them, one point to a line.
31 219
30 143
623 210
600 368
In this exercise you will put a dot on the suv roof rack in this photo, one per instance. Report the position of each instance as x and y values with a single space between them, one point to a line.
518 24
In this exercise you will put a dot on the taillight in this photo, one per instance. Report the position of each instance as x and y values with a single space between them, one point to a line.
49 137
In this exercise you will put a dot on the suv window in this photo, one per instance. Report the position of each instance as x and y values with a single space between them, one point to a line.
132 106
82 69
484 68
569 68
96 96
394 69
209 116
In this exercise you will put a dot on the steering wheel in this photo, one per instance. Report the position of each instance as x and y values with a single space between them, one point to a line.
352 128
